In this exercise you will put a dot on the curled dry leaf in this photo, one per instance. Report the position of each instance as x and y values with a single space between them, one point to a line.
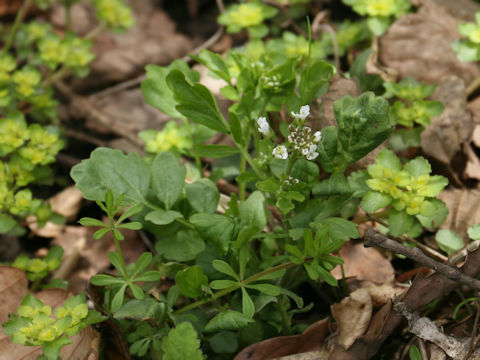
419 44
446 134
464 209
311 340
352 316
364 264
13 287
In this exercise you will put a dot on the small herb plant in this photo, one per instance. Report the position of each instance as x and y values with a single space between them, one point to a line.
412 112
380 12
33 58
468 49
34 324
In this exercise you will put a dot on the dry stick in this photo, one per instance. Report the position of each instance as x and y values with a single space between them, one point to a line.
374 238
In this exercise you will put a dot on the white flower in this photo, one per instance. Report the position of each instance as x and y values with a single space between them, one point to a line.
303 113
317 136
263 126
280 152
311 154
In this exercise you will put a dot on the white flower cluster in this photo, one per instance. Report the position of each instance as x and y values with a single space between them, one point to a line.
303 113
291 181
263 126
280 152
271 82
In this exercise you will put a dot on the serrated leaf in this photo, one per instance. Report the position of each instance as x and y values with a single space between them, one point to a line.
399 222
373 201
181 343
185 245
196 102
218 230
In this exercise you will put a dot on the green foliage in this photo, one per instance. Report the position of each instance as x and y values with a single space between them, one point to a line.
449 241
379 12
184 337
115 14
409 190
37 269
248 16
33 325
468 49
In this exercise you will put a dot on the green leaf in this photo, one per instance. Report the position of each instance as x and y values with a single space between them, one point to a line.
253 211
267 289
135 225
142 310
236 128
51 349
101 233
414 353
196 102
214 150
270 185
214 63
474 232
304 170
149 276
185 245
248 307
401 140
181 343
399 222
7 223
117 300
449 241
191 280
363 124
218 230
117 261
373 200
224 268
168 178
111 169
106 280
379 24
314 80
441 212
328 149
418 166
227 320
230 93
155 89
203 195
132 210
334 185
223 284
163 217
143 261
339 229
136 291
387 159
224 342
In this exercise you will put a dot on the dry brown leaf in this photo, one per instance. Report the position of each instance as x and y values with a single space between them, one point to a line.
311 355
446 134
311 340
464 209
472 169
13 287
419 44
364 264
474 108
66 203
352 316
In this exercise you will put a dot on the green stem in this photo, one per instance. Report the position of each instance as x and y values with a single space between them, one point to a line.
18 20
232 288
242 185
250 162
287 329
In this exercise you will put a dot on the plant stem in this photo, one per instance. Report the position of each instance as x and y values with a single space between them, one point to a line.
287 329
242 185
232 288
18 20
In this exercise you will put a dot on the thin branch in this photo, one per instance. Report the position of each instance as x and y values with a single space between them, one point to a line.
374 238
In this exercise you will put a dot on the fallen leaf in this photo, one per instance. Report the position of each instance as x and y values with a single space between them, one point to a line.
472 168
311 355
464 209
13 287
364 264
311 339
419 44
66 203
352 316
446 134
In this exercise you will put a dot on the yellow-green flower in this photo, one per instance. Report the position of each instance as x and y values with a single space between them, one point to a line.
172 137
13 134
36 31
79 54
115 13
22 202
53 51
26 81
379 8
247 16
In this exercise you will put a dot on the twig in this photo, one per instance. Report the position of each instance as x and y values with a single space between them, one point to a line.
373 238
474 335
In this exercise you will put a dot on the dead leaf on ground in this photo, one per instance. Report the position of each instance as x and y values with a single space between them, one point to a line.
88 256
352 316
446 134
464 209
311 340
66 203
364 264
311 355
419 44
13 287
